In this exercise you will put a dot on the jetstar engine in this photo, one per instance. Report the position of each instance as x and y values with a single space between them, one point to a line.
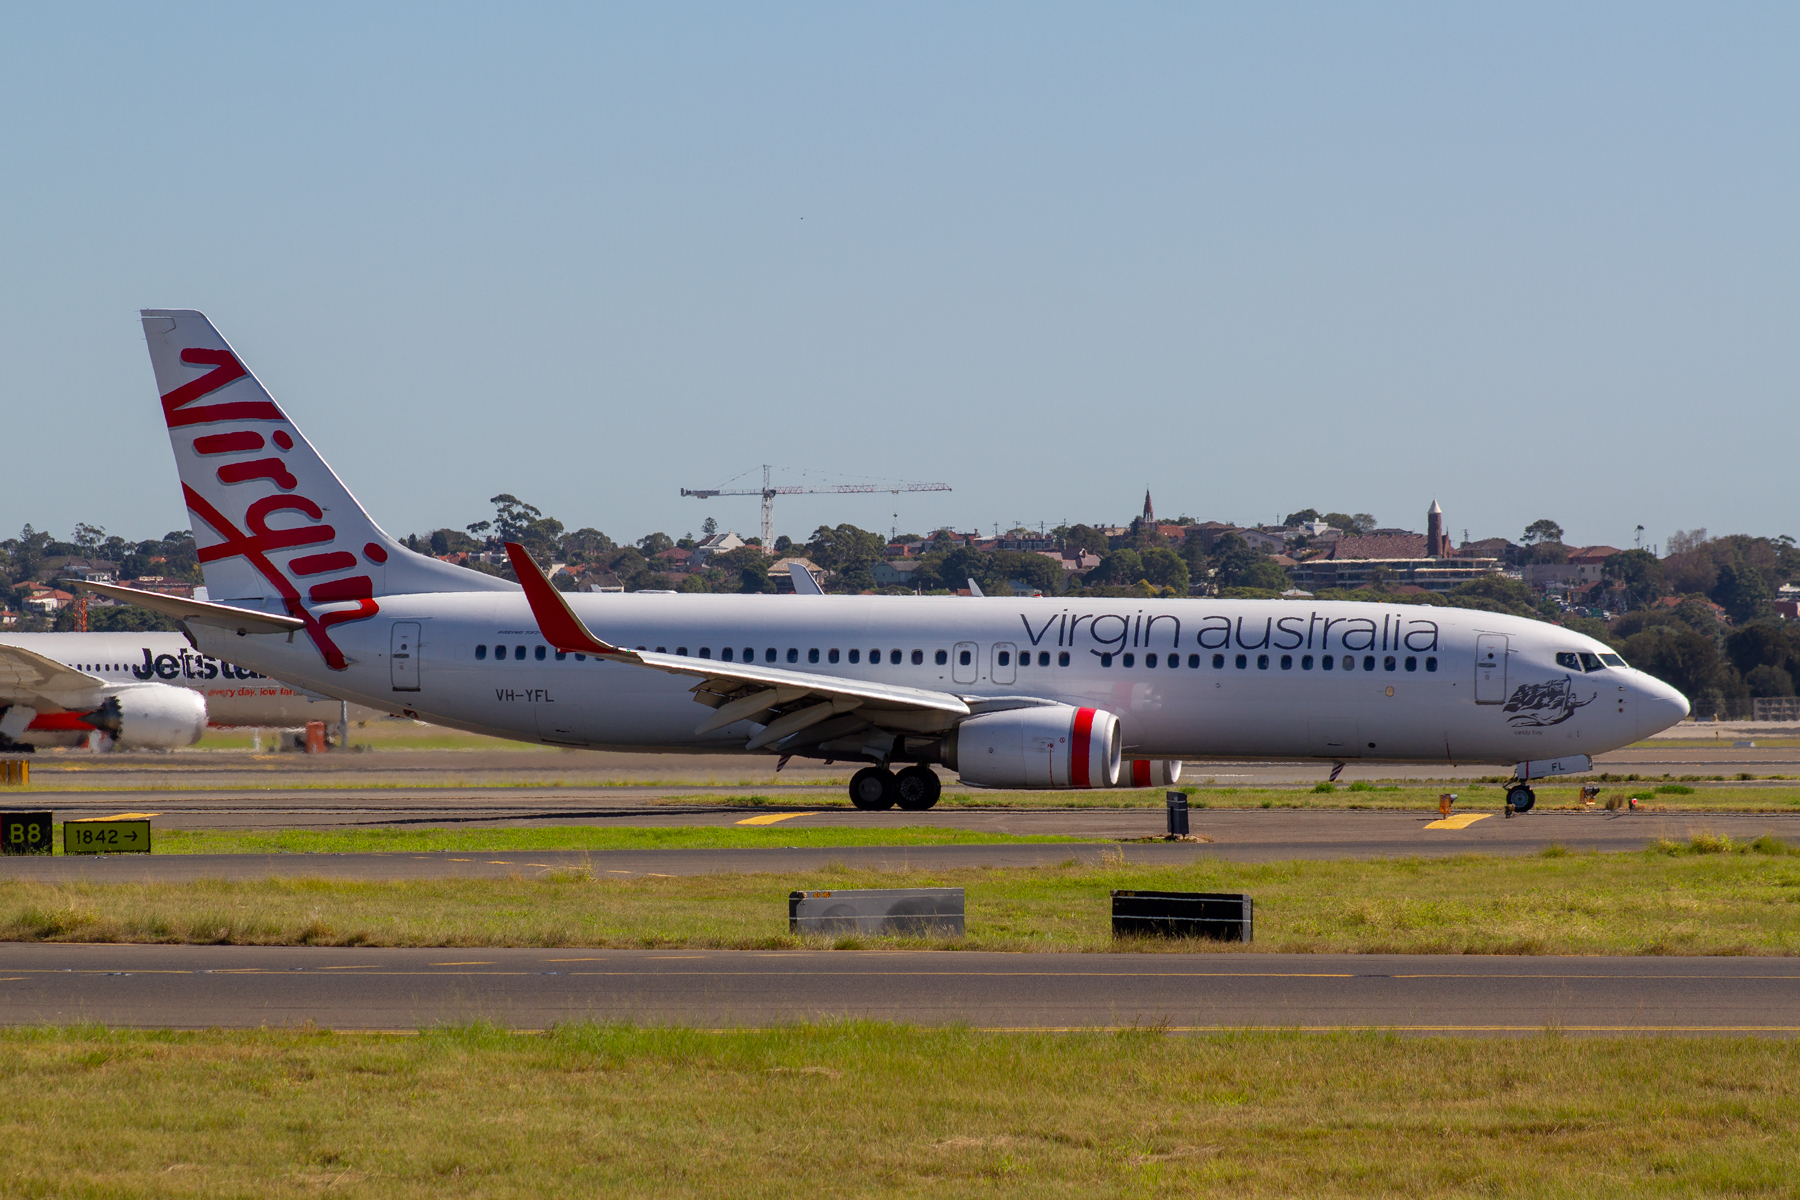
152 717
1048 746
1151 772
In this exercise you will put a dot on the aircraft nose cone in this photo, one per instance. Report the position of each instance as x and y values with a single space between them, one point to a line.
1659 706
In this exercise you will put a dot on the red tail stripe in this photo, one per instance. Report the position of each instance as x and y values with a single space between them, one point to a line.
1080 747
353 587
228 443
318 564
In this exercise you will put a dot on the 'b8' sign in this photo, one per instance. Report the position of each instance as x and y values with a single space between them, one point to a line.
25 833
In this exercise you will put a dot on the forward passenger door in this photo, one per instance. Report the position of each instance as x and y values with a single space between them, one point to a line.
1490 668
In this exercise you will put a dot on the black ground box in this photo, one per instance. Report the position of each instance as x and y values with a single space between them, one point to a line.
25 833
1225 916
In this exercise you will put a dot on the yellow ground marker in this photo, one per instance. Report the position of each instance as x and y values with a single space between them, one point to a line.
121 817
1459 821
771 818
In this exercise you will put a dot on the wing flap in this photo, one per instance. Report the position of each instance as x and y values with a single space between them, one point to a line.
25 673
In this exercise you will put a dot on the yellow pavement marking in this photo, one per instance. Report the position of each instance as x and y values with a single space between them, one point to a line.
501 862
363 967
1459 821
771 818
487 963
121 817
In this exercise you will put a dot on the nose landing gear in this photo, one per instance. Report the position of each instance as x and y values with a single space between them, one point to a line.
1519 798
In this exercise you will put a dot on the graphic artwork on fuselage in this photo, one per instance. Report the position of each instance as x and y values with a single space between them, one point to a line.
1548 703
1112 632
262 539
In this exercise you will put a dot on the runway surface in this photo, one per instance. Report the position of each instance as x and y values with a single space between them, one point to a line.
195 987
1239 835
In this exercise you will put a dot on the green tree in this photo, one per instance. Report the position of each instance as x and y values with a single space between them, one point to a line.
1636 575
1084 539
1165 569
1741 591
1543 530
653 544
1681 658
849 553
1304 516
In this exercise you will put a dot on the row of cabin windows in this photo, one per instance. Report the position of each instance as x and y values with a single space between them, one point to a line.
1325 662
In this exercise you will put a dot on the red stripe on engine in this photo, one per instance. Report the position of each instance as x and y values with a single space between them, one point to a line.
62 722
1140 772
1079 748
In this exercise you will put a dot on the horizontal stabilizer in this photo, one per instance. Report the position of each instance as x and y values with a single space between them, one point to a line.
199 612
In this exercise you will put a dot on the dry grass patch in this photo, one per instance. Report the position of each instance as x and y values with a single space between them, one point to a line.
877 1110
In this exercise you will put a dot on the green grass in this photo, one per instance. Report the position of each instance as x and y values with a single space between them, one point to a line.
875 1110
1709 896
568 837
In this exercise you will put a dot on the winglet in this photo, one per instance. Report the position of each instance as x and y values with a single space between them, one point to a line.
556 620
804 583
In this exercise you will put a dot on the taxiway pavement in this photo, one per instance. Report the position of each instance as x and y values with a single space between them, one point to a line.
1240 835
196 987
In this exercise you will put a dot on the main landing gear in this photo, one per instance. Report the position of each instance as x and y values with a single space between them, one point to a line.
1519 798
915 789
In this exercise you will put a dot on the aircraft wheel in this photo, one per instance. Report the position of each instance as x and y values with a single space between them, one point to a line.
873 789
1522 798
917 788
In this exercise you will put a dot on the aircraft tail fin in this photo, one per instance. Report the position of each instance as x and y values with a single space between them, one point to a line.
275 526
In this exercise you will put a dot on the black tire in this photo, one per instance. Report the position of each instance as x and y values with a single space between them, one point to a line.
917 789
873 789
1522 799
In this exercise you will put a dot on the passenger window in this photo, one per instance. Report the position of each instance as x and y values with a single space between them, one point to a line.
1218 662
659 649
1612 660
1567 660
1130 660
1149 660
1431 662
725 654
941 657
540 654
681 650
831 655
962 658
812 656
1326 662
1387 664
1106 660
561 655
1412 664
1262 662
1306 662
1242 661
1174 660
918 657
582 658
1002 658
793 655
1287 662
1368 662
1193 662
769 654
894 657
1062 658
706 652
875 656
1592 662
1043 658
856 656
519 653
749 654
481 652
1349 662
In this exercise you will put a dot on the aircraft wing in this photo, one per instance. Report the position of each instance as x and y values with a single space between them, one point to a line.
200 612
30 678
784 702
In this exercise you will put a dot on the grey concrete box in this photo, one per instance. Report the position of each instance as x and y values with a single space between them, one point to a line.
902 912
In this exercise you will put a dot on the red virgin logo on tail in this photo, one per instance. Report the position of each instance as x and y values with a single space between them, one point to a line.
255 544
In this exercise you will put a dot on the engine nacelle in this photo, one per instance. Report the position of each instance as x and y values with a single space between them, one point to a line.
1150 772
1048 746
153 717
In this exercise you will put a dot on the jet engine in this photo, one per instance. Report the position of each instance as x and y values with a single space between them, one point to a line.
1048 746
151 718
1151 772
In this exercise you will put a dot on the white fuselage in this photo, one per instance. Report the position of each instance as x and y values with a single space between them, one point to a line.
1186 678
235 695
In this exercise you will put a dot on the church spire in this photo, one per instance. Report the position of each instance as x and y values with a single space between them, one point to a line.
1149 509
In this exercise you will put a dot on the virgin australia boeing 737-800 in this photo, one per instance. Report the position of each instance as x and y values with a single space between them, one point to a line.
1034 693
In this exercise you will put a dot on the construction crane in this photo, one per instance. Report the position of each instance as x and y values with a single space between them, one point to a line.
769 493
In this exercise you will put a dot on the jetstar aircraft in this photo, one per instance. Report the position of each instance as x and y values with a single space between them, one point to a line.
1033 693
136 690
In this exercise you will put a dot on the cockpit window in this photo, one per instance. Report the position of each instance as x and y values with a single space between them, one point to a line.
1567 659
1612 660
1592 662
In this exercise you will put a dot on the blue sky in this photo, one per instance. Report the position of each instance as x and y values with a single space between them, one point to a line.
1533 260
